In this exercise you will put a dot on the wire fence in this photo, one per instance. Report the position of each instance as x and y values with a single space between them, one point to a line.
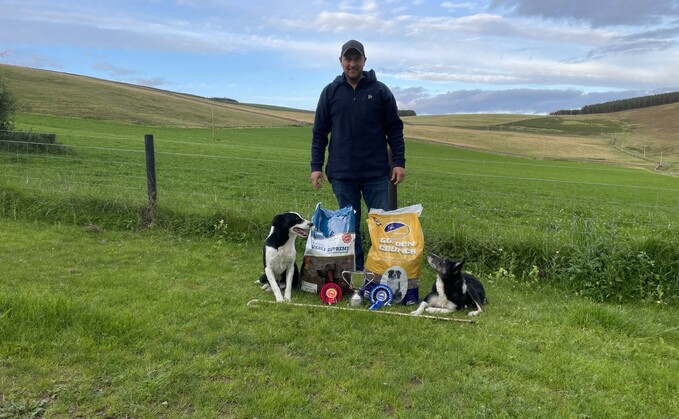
495 198
603 231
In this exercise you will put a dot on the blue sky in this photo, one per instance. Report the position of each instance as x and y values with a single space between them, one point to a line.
438 57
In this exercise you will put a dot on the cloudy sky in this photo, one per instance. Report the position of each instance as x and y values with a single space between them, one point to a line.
438 57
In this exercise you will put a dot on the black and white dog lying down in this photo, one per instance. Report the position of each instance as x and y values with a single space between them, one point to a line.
453 289
280 255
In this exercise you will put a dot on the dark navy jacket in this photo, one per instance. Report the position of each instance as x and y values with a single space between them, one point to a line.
361 124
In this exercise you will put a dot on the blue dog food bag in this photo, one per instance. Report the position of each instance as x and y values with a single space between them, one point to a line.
397 251
329 249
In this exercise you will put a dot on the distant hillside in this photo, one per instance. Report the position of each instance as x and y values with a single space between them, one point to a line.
61 94
640 137
624 104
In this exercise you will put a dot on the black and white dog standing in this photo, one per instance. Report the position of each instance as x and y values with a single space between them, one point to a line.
280 255
453 289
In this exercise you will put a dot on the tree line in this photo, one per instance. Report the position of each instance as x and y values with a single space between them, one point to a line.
11 140
623 104
8 106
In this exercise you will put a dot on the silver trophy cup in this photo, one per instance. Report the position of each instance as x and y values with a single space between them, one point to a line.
357 280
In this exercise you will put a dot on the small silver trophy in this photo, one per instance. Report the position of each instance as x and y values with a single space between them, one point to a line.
357 280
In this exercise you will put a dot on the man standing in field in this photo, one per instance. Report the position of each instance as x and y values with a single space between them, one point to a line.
361 117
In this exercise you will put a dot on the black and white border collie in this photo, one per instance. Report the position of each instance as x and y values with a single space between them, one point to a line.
453 289
280 255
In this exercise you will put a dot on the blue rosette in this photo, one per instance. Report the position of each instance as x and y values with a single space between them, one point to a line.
380 295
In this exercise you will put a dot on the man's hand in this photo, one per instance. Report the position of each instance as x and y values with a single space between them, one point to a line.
398 175
317 179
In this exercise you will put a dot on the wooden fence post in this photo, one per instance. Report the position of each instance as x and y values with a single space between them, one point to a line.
150 174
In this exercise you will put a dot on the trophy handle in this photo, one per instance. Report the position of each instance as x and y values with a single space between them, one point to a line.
354 277
358 279
347 279
369 276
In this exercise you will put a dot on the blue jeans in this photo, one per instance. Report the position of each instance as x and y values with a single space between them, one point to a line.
375 193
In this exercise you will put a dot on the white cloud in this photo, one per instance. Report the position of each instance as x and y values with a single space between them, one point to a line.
526 101
449 5
448 46
597 13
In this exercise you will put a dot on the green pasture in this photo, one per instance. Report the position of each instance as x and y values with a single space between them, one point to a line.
466 120
150 324
608 232
66 95
581 125
107 311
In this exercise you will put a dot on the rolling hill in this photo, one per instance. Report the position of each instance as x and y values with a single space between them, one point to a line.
60 94
643 137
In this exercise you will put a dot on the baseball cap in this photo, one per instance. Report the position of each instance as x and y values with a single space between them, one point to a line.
352 44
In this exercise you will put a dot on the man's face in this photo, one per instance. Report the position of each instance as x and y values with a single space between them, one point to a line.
352 64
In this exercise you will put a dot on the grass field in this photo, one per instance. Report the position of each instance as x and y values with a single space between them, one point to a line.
645 138
104 314
38 91
148 324
561 219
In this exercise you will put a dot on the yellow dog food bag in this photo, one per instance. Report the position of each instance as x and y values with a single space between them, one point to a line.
397 250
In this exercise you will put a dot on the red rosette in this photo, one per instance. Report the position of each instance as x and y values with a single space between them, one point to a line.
331 293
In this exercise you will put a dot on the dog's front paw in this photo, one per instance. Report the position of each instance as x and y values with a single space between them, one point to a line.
475 313
420 309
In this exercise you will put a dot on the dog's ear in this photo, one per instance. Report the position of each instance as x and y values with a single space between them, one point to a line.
458 264
276 219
